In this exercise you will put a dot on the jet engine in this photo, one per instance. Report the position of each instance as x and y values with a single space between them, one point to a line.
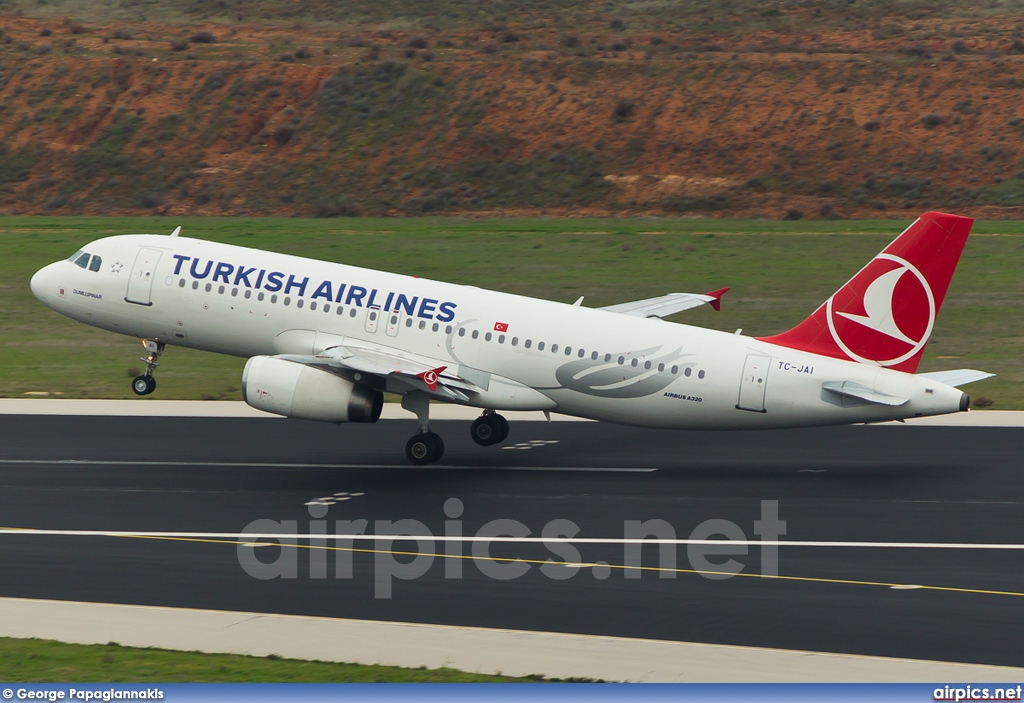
296 390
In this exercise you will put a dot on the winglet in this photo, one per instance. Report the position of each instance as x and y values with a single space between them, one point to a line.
717 295
177 231
430 377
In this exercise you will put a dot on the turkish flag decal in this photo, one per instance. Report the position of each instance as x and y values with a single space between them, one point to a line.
501 327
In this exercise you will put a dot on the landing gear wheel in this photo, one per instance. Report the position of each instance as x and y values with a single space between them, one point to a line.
143 385
489 429
424 448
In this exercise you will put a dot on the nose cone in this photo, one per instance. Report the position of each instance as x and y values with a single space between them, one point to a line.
43 285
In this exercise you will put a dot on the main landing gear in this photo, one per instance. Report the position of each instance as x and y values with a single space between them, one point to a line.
425 447
490 428
146 384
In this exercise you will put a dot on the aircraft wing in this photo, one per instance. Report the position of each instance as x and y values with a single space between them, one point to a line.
666 305
957 377
402 372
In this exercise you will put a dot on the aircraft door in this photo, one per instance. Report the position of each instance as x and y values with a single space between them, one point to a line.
140 283
372 318
753 383
394 323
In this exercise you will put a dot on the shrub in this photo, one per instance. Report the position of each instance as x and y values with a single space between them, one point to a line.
931 120
617 24
78 29
872 126
179 45
283 134
569 41
793 214
122 33
303 53
203 38
417 43
286 58
624 107
960 47
509 37
45 32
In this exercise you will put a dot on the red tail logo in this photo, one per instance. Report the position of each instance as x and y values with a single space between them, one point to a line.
885 314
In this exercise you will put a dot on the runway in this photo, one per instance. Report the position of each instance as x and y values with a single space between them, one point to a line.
960 486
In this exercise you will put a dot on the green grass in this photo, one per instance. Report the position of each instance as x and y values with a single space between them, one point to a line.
779 272
45 661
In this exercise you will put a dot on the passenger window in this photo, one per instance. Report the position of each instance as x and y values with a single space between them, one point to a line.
220 290
299 303
462 331
593 355
700 374
436 327
476 333
647 365
352 312
501 339
209 287
261 296
635 362
248 294
95 264
540 346
661 367
273 299
448 329
234 292
515 341
527 343
312 306
622 360
287 300
341 310
82 261
487 337
554 348
607 357
327 308
582 353
181 283
686 372
408 322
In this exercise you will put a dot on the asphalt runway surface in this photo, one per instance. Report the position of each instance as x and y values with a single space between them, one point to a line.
962 486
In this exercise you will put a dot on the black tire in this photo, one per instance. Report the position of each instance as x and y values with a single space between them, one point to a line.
502 429
424 448
143 385
483 430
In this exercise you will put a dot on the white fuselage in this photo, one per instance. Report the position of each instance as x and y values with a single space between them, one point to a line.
579 361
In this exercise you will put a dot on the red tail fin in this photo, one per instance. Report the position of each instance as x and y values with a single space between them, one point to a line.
885 314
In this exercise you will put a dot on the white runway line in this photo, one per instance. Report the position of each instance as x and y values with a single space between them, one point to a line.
292 536
270 465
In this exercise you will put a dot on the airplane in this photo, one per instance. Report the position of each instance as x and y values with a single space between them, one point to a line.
324 341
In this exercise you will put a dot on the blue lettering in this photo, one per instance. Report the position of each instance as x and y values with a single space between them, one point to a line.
447 312
373 295
259 279
181 259
427 307
206 271
242 274
275 281
223 271
387 303
293 284
324 291
408 304
341 292
356 294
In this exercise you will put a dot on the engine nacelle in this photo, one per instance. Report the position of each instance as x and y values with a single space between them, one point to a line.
295 390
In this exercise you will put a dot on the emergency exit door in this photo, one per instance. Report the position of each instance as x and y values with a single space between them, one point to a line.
753 383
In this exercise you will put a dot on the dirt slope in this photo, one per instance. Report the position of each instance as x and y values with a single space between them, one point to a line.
807 117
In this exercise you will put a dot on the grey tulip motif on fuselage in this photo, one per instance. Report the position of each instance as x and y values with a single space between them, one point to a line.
610 379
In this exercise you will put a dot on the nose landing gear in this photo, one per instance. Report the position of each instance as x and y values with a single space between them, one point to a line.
146 384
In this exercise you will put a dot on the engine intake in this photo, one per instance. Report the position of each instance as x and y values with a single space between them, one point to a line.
295 390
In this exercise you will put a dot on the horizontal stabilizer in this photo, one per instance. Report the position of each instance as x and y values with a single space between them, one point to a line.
957 377
665 305
856 390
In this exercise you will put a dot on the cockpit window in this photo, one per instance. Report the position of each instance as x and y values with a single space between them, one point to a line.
81 259
95 264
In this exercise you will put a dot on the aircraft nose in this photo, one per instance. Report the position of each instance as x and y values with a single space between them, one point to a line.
42 284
